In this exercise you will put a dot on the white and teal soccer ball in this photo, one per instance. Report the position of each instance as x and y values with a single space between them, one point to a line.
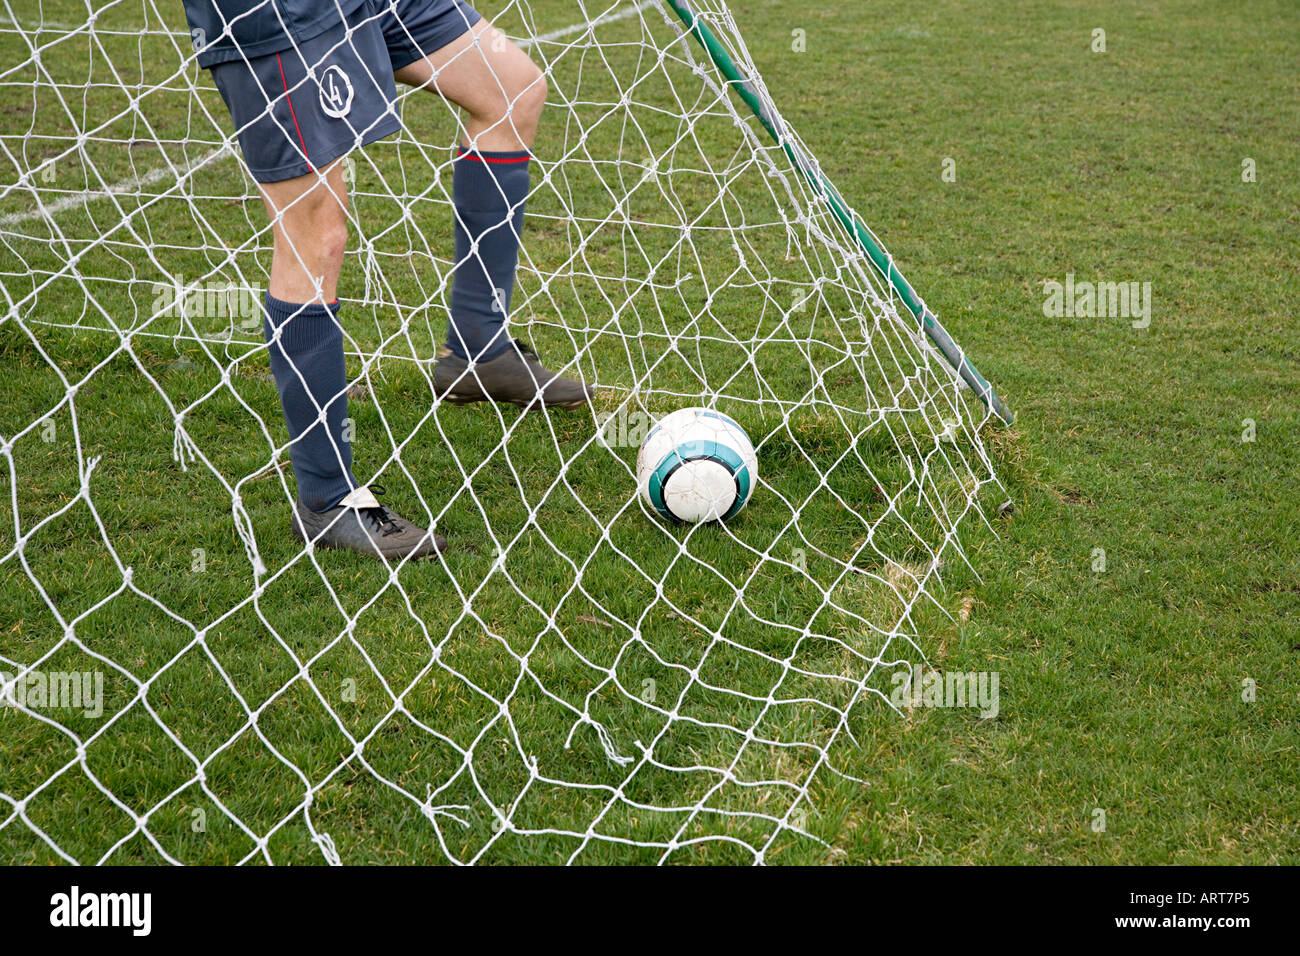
696 465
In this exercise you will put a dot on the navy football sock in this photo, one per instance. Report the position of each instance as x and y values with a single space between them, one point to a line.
311 341
489 191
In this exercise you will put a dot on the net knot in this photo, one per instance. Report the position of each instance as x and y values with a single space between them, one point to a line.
432 812
327 849
244 526
606 741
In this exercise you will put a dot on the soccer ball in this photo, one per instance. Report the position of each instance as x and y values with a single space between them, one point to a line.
696 465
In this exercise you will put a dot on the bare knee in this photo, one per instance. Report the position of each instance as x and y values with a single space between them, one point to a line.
513 122
529 98
311 233
332 241
309 246
498 86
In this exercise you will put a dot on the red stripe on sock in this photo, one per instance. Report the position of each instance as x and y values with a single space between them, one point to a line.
294 115
493 159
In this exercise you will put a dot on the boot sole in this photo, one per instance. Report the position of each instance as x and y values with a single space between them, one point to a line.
532 405
390 555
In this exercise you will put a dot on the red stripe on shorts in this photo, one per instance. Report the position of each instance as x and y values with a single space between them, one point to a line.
294 115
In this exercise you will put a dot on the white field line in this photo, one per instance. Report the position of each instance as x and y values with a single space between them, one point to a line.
44 25
579 27
76 200
128 186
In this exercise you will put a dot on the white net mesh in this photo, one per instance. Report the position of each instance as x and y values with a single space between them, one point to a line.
574 680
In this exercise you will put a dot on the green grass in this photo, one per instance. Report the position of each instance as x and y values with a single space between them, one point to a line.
1121 690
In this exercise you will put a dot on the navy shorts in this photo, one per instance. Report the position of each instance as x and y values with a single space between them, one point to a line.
298 110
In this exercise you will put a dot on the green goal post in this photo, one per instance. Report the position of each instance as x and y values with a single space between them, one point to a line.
883 264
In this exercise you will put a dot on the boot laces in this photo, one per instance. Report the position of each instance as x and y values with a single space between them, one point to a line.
380 518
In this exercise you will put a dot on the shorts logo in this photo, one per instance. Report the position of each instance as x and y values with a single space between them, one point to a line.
335 92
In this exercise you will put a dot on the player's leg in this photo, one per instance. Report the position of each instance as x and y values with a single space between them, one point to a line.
500 89
445 47
297 113
305 341
309 218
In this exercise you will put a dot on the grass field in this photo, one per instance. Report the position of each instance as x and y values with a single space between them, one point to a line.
1149 706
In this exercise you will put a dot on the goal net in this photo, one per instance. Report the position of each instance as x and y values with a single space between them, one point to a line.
574 680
